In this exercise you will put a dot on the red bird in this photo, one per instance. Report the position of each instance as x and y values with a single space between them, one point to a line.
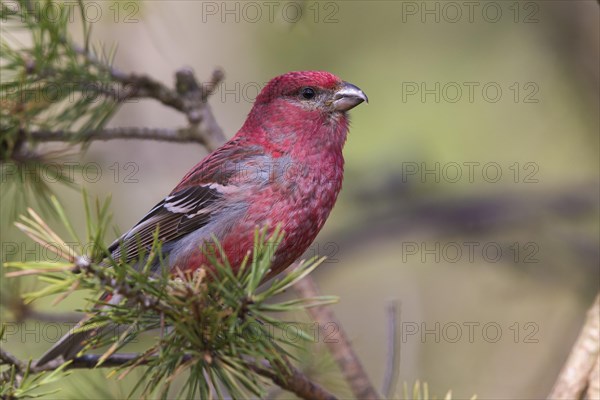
284 167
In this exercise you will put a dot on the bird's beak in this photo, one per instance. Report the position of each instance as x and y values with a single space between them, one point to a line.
347 97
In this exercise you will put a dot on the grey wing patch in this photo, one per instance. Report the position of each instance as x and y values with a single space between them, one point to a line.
177 215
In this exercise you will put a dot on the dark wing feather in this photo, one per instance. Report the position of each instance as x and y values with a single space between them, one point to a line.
191 204
177 215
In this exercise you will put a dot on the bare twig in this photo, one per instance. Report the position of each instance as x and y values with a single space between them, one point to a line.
341 349
574 378
8 359
189 97
181 135
393 352
19 368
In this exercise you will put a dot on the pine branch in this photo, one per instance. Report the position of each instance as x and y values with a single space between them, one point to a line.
219 323
53 89
292 379
190 100
54 60
189 97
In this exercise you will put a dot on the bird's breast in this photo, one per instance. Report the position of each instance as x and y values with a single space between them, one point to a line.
296 195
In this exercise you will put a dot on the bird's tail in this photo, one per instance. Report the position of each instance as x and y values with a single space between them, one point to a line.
69 345
76 339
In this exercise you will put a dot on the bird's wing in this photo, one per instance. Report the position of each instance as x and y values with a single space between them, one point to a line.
177 215
191 205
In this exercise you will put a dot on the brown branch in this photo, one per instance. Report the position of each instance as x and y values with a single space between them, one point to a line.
341 349
578 372
293 380
287 377
20 367
181 135
189 97
145 86
8 359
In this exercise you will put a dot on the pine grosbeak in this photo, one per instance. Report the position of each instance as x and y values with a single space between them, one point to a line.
284 167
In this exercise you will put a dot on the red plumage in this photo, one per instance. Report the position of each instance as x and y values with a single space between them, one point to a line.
283 168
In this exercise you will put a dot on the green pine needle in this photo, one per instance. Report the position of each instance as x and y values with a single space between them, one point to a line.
209 325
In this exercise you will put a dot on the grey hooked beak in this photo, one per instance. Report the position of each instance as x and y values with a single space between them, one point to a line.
347 97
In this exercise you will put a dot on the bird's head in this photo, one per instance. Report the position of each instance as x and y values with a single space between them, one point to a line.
311 90
303 109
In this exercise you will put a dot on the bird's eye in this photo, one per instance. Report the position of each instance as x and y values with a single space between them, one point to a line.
307 93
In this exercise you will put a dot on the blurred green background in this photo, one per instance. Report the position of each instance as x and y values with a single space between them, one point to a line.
492 273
